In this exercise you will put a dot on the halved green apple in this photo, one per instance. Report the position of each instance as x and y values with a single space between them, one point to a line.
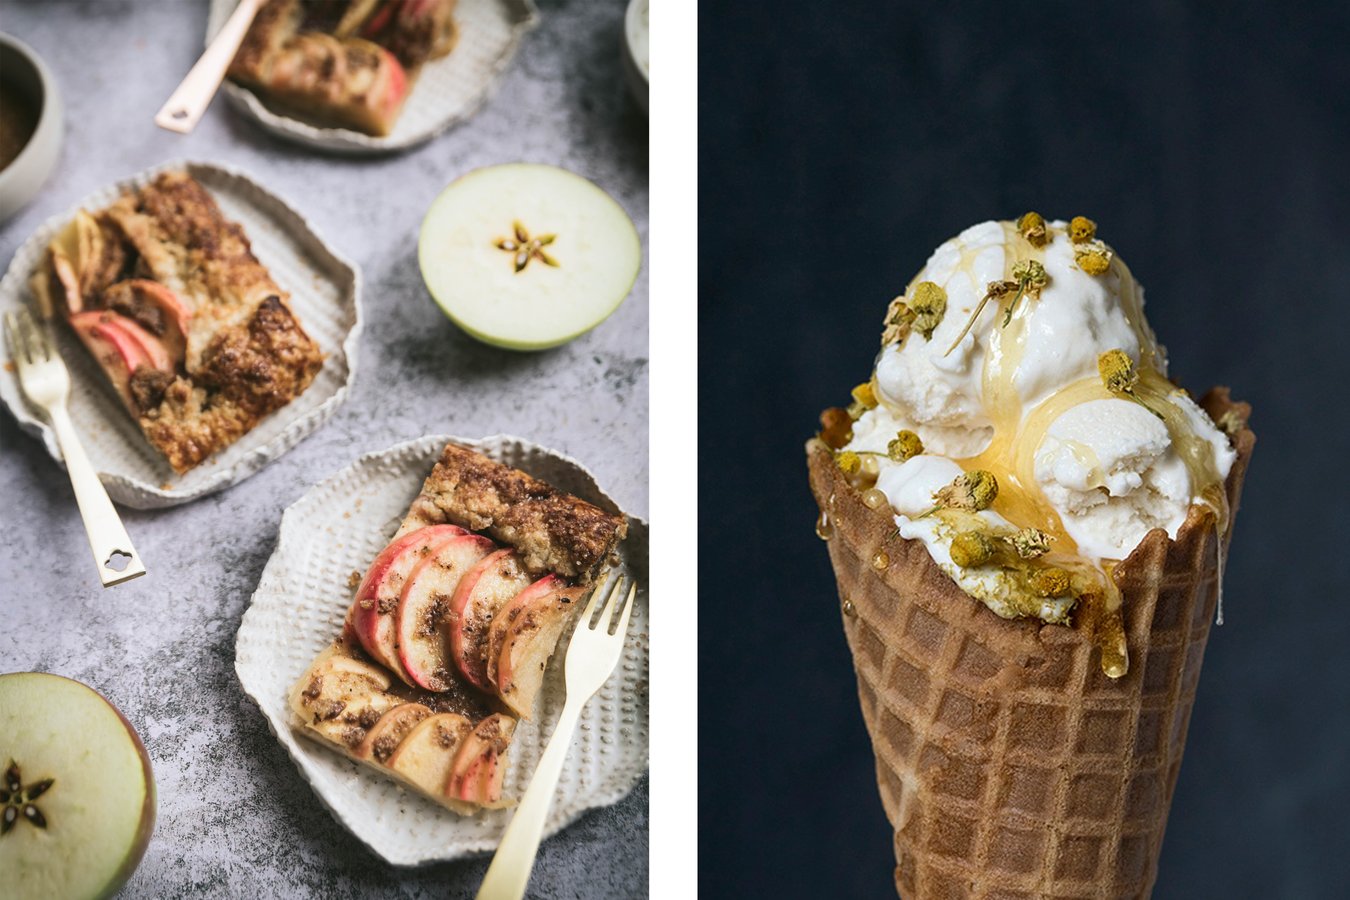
527 256
77 796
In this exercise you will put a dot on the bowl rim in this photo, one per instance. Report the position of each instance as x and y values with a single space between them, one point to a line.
49 114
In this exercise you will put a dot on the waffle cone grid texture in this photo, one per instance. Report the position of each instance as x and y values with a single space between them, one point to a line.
1009 765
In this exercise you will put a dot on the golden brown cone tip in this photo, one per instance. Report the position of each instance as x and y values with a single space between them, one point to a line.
1008 764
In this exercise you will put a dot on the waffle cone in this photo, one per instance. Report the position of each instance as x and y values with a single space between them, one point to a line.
1008 764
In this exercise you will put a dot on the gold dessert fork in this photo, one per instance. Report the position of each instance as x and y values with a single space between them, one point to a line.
47 383
591 657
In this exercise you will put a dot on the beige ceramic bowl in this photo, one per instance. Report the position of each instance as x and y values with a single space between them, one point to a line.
22 71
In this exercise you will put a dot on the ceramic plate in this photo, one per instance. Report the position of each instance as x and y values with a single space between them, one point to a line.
448 90
336 529
324 289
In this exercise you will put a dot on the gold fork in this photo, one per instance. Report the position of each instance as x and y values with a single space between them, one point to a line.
591 657
47 383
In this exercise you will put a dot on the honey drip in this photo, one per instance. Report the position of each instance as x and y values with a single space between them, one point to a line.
824 529
1011 453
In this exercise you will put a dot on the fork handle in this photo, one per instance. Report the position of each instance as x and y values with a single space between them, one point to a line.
107 534
189 101
509 872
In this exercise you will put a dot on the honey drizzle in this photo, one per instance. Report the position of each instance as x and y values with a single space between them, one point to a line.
1010 455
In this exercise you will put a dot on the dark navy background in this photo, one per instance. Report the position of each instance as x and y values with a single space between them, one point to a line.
843 141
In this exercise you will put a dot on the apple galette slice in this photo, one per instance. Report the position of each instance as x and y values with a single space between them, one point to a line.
192 332
344 63
452 627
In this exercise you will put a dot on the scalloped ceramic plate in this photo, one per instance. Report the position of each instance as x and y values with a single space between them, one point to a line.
335 529
448 90
324 288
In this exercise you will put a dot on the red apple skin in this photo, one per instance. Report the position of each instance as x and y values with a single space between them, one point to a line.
480 751
153 348
397 89
381 18
425 657
127 297
114 349
377 597
473 607
523 638
538 596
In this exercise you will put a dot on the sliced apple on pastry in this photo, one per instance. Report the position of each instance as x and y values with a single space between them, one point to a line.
342 698
478 770
386 734
484 589
425 605
527 256
524 635
426 756
156 309
115 349
378 596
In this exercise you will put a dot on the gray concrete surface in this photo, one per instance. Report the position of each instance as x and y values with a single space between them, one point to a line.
162 647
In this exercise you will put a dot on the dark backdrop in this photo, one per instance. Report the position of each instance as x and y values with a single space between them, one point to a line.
840 143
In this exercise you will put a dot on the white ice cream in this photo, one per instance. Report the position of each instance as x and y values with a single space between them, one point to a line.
1110 468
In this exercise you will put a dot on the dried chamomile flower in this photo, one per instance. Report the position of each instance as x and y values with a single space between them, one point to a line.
864 395
972 548
1117 371
1094 258
836 427
929 305
1082 229
1031 278
974 490
899 321
904 446
1032 227
1051 581
1031 543
848 462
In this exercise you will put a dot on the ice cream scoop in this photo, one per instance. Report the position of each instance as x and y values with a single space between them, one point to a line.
1021 350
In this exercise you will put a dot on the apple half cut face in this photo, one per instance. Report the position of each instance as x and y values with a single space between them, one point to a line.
425 606
527 256
478 769
426 756
378 596
524 635
77 796
487 587
118 352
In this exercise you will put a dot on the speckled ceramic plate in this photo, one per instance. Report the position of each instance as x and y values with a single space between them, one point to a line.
448 90
336 529
324 289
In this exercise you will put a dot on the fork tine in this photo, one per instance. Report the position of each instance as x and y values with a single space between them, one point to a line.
622 627
39 344
17 351
602 588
